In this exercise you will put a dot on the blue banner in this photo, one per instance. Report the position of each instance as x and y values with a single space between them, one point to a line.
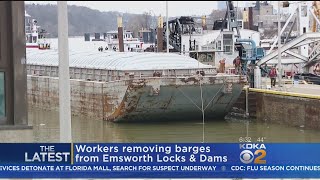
159 160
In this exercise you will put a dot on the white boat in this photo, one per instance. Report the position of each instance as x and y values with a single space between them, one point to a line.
35 37
131 44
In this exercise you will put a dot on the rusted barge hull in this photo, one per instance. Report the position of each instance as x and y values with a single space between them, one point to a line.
150 99
132 86
177 99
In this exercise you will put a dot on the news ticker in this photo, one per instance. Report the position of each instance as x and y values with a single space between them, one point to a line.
159 160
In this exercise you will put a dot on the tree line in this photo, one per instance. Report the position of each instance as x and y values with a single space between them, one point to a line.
85 20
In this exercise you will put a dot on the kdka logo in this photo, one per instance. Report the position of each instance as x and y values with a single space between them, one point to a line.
253 153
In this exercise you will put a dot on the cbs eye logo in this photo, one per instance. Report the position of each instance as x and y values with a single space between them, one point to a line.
246 156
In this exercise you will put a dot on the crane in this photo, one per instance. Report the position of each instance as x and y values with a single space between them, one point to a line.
248 56
231 18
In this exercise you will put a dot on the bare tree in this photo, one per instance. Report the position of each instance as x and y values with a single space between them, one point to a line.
146 18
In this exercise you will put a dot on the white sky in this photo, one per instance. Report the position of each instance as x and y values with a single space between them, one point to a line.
176 8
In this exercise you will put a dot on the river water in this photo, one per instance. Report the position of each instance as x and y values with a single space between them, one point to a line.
46 129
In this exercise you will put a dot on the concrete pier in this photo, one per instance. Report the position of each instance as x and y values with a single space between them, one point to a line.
290 109
297 107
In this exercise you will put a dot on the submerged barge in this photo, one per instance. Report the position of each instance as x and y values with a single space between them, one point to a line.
132 86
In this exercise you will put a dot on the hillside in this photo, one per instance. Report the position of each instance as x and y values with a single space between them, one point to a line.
83 19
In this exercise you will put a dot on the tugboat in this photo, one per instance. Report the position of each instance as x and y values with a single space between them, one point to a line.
131 44
35 37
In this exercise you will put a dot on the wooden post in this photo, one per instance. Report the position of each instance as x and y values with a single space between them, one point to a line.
160 35
120 34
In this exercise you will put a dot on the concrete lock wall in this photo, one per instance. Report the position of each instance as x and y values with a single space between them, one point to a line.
292 111
91 99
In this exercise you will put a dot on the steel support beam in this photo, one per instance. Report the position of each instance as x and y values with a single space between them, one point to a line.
297 55
286 61
282 30
289 45
307 41
314 16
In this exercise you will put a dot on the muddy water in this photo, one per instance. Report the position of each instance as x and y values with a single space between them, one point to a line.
46 129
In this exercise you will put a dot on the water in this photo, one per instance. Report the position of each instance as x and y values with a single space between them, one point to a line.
46 129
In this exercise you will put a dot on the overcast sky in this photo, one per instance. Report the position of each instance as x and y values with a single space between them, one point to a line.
176 8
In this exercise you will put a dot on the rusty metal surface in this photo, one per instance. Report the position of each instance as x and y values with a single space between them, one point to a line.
177 99
120 37
159 39
146 99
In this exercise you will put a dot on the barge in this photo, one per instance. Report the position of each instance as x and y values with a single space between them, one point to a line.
130 86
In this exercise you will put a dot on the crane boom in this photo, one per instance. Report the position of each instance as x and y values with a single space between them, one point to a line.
232 18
